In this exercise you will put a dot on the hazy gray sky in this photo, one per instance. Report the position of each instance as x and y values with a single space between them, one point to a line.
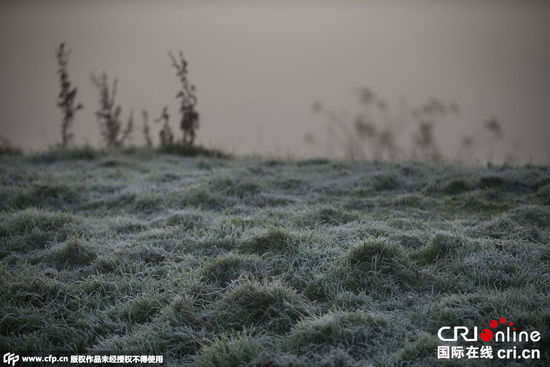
259 65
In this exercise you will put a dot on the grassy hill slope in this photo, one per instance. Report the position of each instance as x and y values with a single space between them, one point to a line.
217 262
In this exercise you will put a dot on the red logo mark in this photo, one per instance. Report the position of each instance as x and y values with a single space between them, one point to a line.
486 335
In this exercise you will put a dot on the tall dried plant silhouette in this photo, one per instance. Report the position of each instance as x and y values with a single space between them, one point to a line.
483 139
165 134
146 129
109 112
189 122
376 125
425 145
66 100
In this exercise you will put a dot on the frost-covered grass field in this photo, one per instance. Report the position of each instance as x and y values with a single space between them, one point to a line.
219 262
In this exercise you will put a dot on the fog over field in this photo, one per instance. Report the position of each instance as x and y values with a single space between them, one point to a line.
259 66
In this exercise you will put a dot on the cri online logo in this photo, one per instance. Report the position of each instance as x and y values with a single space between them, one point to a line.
448 333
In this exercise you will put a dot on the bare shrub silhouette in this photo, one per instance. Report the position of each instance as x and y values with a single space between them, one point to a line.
377 130
109 113
165 134
189 122
494 127
7 148
67 96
